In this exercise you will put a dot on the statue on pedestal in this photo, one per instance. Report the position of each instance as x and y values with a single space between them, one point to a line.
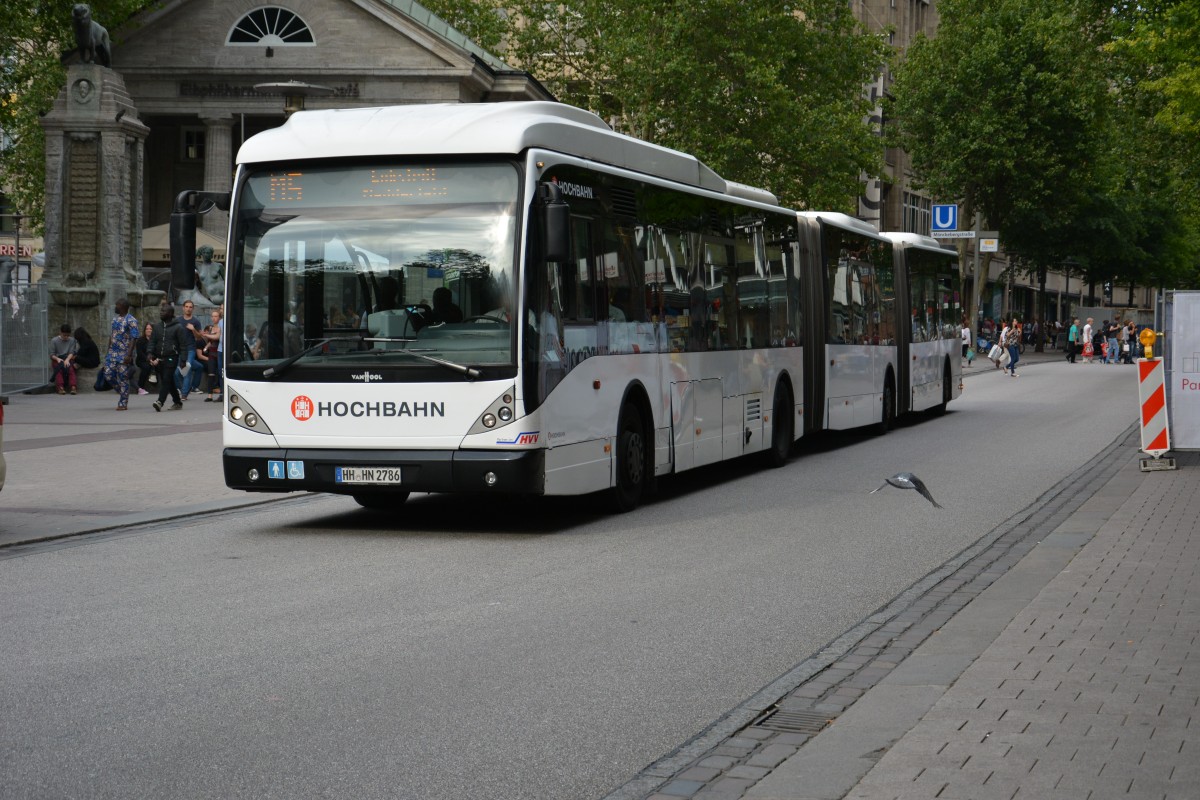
210 280
91 39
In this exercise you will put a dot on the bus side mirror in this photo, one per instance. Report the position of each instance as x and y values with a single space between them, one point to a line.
183 250
556 223
188 206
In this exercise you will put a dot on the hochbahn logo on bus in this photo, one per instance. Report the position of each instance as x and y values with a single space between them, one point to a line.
305 408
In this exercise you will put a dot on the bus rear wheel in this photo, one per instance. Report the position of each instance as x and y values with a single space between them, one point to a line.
783 431
381 502
632 477
947 390
889 407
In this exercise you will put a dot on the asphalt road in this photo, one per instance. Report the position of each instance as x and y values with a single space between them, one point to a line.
309 648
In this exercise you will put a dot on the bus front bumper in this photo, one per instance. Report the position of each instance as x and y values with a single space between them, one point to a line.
302 470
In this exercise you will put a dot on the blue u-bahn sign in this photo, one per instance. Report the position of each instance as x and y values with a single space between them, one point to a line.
945 217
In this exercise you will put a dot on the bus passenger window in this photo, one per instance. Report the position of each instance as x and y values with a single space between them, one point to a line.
578 277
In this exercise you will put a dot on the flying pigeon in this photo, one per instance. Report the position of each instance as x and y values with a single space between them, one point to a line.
906 480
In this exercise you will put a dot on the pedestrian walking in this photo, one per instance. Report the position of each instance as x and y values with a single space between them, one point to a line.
1112 332
1072 340
1131 342
190 370
118 361
965 333
168 344
1013 343
1089 349
1000 347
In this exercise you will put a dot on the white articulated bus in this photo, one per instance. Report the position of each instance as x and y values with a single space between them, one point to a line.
513 298
930 361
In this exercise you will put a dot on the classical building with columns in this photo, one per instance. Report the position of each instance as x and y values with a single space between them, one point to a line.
195 71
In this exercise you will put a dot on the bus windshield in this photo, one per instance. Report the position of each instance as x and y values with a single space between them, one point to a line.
396 265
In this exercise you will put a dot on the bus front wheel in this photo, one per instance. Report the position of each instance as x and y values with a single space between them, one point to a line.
630 463
381 502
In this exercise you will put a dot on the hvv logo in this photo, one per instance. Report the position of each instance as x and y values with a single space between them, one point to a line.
945 217
525 437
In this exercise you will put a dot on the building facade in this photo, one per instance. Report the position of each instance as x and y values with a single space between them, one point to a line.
200 73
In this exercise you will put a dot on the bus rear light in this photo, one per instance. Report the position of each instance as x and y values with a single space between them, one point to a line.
236 413
251 420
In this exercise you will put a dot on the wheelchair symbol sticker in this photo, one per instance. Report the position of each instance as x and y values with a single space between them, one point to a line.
295 470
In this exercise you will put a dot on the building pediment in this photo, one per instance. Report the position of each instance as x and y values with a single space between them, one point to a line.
375 36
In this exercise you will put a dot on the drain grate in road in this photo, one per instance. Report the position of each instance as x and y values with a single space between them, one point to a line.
779 719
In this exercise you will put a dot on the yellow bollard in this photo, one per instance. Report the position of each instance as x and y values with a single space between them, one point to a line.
1147 337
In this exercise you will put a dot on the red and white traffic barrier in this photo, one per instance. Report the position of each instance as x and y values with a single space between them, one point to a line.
1152 398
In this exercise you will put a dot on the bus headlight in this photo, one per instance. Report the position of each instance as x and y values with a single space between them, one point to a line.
501 412
244 416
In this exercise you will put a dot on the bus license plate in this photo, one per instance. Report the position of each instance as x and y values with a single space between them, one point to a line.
372 475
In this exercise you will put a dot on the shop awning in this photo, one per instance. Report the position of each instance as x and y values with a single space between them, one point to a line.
156 244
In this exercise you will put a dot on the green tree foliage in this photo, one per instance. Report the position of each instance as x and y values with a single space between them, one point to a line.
34 35
1004 110
1164 40
1020 111
765 92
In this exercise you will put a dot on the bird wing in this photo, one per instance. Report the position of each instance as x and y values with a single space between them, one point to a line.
920 487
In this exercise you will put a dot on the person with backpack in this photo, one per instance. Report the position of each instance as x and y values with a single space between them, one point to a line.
168 342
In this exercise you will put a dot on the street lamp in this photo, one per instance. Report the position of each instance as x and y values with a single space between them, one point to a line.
293 93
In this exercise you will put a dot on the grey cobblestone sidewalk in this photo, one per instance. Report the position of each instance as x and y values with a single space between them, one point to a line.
1093 690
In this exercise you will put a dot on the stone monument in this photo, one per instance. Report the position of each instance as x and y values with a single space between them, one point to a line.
94 161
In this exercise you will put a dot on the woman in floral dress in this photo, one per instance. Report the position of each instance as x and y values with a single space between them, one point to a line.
118 362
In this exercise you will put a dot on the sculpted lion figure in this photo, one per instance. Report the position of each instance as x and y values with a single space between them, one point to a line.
91 38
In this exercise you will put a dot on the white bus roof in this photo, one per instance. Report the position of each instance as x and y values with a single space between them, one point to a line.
843 221
478 128
920 242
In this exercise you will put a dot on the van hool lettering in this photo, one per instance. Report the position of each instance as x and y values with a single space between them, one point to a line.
303 410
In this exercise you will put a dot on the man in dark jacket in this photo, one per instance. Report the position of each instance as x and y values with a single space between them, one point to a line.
168 342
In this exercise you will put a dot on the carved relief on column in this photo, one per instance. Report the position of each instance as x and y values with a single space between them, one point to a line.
218 167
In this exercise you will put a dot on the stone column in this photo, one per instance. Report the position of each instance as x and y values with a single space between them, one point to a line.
93 239
218 167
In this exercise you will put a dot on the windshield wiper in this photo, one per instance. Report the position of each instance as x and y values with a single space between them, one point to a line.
282 366
470 372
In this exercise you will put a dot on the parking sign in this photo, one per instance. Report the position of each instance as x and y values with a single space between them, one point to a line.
945 217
